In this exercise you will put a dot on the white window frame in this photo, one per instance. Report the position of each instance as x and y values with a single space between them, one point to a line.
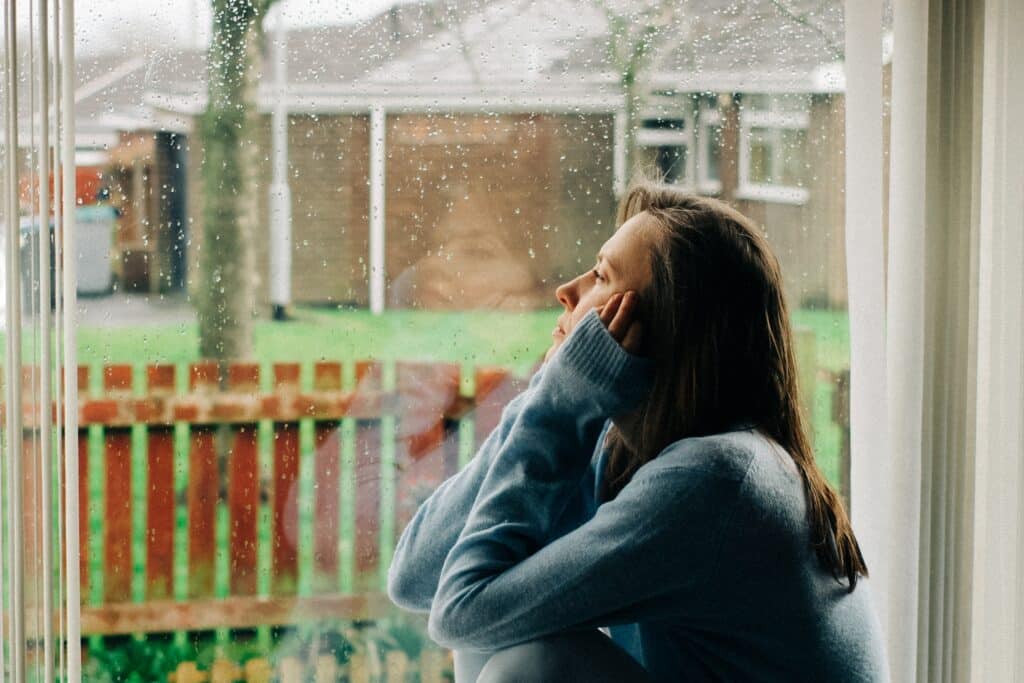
709 118
667 137
769 192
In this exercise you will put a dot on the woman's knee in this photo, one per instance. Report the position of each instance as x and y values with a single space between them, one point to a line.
563 657
532 661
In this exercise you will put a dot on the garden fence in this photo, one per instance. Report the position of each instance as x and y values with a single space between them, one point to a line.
215 497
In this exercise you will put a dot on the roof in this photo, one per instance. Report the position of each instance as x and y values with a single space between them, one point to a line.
759 44
507 54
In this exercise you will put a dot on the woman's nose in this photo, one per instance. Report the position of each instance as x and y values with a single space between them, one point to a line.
567 295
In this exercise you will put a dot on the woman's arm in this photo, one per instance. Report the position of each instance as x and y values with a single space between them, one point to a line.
426 540
503 584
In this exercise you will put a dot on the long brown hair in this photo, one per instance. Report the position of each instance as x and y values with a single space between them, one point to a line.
717 327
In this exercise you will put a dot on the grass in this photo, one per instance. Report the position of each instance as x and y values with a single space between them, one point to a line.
516 340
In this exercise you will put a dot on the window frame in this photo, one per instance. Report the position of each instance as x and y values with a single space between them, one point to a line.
776 121
709 117
653 138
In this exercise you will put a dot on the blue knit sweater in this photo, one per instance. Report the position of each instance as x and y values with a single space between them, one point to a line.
702 566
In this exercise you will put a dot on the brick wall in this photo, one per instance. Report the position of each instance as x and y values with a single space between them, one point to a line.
494 211
481 211
808 239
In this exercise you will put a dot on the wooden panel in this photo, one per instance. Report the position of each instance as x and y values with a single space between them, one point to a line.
118 498
117 520
203 492
31 528
495 387
156 616
160 505
203 489
84 504
160 508
243 505
285 510
425 393
326 377
117 494
243 488
367 482
326 506
450 448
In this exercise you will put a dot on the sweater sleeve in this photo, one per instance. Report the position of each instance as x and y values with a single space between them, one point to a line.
501 584
426 540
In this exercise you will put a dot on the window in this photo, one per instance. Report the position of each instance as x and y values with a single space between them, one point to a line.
407 187
665 146
773 149
709 145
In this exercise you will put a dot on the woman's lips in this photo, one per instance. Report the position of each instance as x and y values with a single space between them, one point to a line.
557 332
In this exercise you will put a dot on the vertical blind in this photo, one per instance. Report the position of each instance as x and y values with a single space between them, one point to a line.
39 565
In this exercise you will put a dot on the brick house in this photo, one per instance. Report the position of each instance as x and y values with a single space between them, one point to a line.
499 152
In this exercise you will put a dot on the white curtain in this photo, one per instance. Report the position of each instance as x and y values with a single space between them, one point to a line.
937 402
39 614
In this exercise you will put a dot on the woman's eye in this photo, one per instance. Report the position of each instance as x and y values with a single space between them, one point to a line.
597 274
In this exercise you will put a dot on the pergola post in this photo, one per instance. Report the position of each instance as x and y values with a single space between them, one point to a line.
378 120
619 153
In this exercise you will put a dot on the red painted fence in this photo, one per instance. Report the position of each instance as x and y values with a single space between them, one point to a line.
420 414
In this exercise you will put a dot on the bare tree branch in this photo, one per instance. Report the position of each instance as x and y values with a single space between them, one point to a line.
805 21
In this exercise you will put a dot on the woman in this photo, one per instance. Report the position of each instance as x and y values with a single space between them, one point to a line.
655 478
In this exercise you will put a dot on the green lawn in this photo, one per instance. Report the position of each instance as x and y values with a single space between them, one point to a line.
516 340
513 339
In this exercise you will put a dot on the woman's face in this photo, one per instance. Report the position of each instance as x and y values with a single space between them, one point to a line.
623 264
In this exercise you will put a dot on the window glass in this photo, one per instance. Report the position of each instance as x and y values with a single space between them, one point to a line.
778 156
762 145
713 152
325 271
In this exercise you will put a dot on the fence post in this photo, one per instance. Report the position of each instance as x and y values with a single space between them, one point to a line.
117 526
326 378
358 670
285 519
31 480
224 671
203 486
258 671
187 672
160 504
431 665
495 387
397 666
291 670
326 669
367 408
243 486
425 393
84 392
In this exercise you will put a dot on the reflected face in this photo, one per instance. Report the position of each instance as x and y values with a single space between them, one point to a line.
623 264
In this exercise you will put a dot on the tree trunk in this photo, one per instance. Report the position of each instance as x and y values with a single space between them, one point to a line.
226 305
633 102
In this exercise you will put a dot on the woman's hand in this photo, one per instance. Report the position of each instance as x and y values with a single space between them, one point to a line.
619 315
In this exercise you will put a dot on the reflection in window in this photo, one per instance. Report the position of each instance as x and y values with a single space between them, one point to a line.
710 151
773 148
664 150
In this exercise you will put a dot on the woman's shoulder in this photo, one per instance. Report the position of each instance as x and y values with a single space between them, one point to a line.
739 456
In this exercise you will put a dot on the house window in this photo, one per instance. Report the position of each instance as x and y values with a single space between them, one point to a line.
773 149
664 148
709 151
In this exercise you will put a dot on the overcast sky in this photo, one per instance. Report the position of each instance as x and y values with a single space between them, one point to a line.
105 25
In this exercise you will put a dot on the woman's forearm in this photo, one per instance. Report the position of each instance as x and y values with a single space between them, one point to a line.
433 530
